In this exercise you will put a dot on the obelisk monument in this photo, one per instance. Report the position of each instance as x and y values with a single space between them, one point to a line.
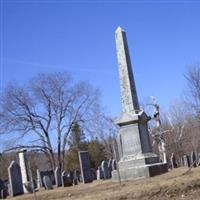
136 157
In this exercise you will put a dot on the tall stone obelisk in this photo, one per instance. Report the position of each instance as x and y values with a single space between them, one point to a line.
136 157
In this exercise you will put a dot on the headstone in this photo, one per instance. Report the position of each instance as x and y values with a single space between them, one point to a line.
99 173
58 177
110 168
3 190
93 174
136 157
105 169
23 163
188 161
47 183
114 164
193 159
15 179
85 166
39 179
77 175
49 173
29 187
185 160
198 159
173 161
66 180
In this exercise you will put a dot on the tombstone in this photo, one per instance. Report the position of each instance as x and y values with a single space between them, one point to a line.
85 166
15 179
29 187
39 180
49 173
198 159
93 174
77 175
193 159
137 159
66 180
114 164
58 177
99 173
3 190
185 160
105 169
188 161
110 168
23 163
173 161
47 183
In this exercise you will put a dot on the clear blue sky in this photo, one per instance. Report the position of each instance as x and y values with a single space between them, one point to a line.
78 36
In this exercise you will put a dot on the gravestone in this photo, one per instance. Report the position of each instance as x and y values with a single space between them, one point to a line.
3 190
173 161
66 180
193 159
99 173
39 179
198 159
85 166
110 168
58 177
136 157
188 160
105 169
23 163
47 183
185 160
77 175
15 179
93 174
49 173
114 164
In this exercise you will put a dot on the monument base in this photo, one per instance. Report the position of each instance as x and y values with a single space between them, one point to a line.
136 157
138 172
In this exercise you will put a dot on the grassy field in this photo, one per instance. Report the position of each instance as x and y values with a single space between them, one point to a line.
173 185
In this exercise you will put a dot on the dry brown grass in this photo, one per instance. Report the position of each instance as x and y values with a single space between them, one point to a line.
172 185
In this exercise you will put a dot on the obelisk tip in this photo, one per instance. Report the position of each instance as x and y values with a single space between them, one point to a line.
119 29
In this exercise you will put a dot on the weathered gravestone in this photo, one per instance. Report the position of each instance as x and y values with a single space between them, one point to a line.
15 179
93 174
47 183
137 159
114 164
66 179
188 160
198 159
105 169
77 175
3 190
99 173
23 163
58 177
110 168
173 161
193 159
185 160
39 179
49 173
85 166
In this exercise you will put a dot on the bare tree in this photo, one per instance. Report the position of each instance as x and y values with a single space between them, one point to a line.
193 90
46 109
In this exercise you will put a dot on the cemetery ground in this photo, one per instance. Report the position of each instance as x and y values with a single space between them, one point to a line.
176 184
